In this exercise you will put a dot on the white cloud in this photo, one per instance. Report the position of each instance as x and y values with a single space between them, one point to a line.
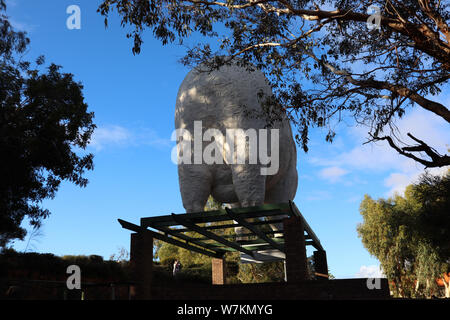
427 127
110 135
397 182
372 271
114 135
380 157
332 174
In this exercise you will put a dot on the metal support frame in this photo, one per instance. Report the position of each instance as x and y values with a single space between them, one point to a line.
194 227
173 229
136 228
254 230
188 239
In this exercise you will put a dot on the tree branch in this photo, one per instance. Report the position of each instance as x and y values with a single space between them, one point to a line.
440 23
437 160
425 40
403 91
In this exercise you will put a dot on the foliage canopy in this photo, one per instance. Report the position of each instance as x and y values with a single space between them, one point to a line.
410 235
322 60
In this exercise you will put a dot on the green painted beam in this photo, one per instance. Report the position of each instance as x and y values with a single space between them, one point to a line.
156 235
243 235
252 242
254 230
188 224
184 237
221 215
214 245
234 225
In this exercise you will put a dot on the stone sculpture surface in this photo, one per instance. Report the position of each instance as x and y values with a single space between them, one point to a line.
223 99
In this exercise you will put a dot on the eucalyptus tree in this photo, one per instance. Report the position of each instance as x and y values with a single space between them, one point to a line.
410 235
369 60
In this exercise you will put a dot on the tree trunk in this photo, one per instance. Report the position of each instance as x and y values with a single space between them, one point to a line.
446 286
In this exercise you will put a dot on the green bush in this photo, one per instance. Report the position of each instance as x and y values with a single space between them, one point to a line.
49 266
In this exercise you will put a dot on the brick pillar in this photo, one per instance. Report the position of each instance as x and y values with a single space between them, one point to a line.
219 271
295 249
141 262
320 263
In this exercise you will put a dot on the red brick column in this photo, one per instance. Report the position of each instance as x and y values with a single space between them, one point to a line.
295 249
141 262
219 271
320 263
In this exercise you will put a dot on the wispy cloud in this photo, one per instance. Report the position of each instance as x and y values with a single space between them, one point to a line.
118 136
110 136
332 174
378 157
397 182
18 24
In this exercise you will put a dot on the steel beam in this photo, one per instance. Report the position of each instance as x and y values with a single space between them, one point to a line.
210 235
176 233
254 229
156 235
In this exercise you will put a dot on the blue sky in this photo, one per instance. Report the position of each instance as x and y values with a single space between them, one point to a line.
133 98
